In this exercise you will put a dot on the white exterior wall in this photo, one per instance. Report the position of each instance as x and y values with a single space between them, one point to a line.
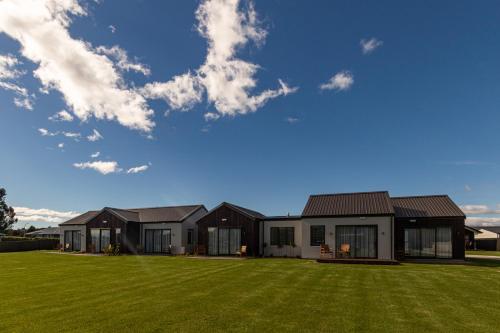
286 250
385 229
81 228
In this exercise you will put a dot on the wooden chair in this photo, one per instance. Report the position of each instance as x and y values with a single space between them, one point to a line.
243 251
325 251
345 250
200 250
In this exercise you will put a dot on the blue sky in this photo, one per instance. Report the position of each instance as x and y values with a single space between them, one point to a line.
416 112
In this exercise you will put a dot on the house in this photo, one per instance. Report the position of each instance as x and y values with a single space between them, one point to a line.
134 230
470 237
50 232
488 240
362 225
365 225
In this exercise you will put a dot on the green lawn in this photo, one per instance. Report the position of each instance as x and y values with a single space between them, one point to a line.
44 292
484 253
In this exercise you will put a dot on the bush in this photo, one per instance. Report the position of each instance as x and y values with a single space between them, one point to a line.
112 250
16 239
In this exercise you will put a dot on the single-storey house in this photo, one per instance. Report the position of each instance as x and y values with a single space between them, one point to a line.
363 225
488 240
470 237
367 225
135 230
50 232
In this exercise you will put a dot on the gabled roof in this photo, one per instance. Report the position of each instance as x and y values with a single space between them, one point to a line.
46 231
348 204
245 211
142 215
487 234
426 206
474 230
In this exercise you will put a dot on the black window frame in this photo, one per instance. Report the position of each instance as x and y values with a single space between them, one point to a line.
321 240
281 236
190 236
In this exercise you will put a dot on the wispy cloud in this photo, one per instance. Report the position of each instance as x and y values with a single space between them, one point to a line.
60 145
483 221
89 82
291 120
25 214
479 209
112 28
8 74
103 167
62 115
72 135
122 60
95 136
226 79
467 188
46 132
138 169
370 45
95 155
341 81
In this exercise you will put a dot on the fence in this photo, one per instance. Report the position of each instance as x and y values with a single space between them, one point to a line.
28 245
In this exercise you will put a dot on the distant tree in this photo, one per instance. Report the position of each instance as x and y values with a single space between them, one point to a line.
31 229
7 214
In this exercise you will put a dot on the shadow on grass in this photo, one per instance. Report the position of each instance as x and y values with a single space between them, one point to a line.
483 262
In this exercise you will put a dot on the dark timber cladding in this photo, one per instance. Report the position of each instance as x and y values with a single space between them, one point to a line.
433 211
229 216
107 220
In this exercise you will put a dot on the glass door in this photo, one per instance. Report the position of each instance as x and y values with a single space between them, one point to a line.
356 241
223 241
212 242
234 240
428 242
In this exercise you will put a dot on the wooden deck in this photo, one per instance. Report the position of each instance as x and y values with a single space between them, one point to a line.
357 261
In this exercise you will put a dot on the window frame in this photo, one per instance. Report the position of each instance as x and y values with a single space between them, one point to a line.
311 243
279 231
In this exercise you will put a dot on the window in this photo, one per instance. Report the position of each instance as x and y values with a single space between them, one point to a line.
354 241
118 236
317 235
99 239
72 240
190 236
428 242
282 236
157 240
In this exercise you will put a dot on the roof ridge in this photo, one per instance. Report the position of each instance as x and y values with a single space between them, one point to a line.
421 196
347 193
159 207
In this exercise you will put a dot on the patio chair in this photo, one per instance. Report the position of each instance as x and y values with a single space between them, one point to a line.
243 251
325 251
344 250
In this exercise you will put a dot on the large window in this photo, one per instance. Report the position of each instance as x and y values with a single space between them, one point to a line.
356 241
282 236
317 235
428 242
157 240
72 240
99 239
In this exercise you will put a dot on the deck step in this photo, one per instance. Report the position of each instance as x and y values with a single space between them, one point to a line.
358 261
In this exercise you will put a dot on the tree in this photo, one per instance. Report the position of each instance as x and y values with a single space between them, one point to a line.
7 214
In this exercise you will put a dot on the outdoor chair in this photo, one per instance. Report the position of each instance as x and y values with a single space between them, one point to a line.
325 251
243 251
344 251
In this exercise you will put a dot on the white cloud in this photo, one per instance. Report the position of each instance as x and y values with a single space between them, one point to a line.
88 81
62 115
96 154
61 145
25 214
104 167
291 120
483 221
479 209
72 135
46 132
95 136
8 69
369 45
211 116
112 28
341 81
226 79
467 188
122 61
138 169
24 103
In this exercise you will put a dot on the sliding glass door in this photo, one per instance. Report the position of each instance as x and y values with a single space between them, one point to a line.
99 239
224 241
428 242
72 240
355 241
212 241
157 240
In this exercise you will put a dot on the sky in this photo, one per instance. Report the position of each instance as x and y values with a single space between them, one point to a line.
156 103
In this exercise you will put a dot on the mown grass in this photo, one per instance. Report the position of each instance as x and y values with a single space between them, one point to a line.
484 253
44 292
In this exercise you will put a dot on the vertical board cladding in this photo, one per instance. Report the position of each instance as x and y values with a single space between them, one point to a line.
225 216
106 220
457 225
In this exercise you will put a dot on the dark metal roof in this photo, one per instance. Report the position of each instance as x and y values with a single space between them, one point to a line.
349 204
82 219
247 211
281 218
492 229
426 206
143 215
46 231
